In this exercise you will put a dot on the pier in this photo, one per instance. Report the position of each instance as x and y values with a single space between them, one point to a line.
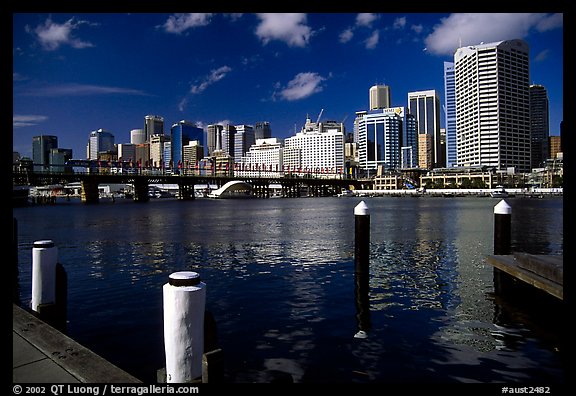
544 272
42 354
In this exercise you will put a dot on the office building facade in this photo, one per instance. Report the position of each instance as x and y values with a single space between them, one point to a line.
244 138
425 106
493 105
100 141
153 125
380 97
450 114
41 146
539 125
181 134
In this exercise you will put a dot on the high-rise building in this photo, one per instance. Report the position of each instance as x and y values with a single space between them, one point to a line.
58 158
555 146
157 143
425 106
383 135
214 138
425 157
243 140
493 105
380 97
312 150
100 141
153 125
137 136
450 113
181 133
192 153
264 158
262 130
41 146
228 136
539 125
126 151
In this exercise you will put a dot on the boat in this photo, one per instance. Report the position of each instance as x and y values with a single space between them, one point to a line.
345 193
499 192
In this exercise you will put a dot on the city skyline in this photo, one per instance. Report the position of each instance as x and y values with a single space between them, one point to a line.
77 73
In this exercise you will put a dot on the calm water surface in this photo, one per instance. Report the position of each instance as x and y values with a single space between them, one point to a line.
280 278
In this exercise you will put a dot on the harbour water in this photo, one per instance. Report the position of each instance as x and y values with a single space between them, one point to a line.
281 287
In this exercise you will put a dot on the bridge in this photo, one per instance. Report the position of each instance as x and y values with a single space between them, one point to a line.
291 184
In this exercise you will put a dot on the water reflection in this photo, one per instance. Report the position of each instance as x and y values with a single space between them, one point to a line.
281 286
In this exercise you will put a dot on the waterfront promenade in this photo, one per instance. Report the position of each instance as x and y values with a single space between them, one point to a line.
42 354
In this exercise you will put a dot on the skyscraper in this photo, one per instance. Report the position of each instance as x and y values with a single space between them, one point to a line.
539 125
153 125
425 106
214 138
243 140
380 97
493 105
262 130
181 133
450 113
99 141
41 146
137 136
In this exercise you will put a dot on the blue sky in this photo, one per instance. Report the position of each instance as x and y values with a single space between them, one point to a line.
75 73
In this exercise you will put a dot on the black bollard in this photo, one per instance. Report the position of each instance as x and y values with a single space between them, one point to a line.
362 268
503 283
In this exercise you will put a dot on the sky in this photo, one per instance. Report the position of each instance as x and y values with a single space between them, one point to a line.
76 73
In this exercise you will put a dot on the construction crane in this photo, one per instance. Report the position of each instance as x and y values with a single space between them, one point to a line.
319 115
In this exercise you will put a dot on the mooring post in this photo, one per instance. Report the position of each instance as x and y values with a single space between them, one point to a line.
362 267
49 284
184 304
502 243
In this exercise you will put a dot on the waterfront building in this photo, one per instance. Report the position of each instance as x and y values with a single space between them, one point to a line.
262 130
227 137
380 97
181 133
192 153
153 125
425 151
157 143
137 136
555 146
99 141
214 138
450 113
244 138
126 151
142 154
382 134
425 106
264 158
167 154
58 158
539 125
317 148
41 146
493 105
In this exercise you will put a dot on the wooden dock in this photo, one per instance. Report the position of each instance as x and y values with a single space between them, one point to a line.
545 272
42 354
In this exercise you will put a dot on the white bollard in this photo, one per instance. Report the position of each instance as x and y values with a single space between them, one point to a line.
184 304
44 260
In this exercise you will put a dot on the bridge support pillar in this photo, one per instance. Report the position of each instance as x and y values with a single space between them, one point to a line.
141 191
89 192
186 192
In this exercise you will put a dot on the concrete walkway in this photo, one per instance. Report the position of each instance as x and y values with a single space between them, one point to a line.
42 354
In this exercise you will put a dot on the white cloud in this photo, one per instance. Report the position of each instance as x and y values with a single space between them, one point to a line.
399 23
78 90
179 23
372 41
417 28
290 28
346 35
471 29
302 86
214 76
19 121
52 35
365 19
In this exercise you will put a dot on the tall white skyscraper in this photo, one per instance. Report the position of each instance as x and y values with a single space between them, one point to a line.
425 106
493 105
450 113
380 97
